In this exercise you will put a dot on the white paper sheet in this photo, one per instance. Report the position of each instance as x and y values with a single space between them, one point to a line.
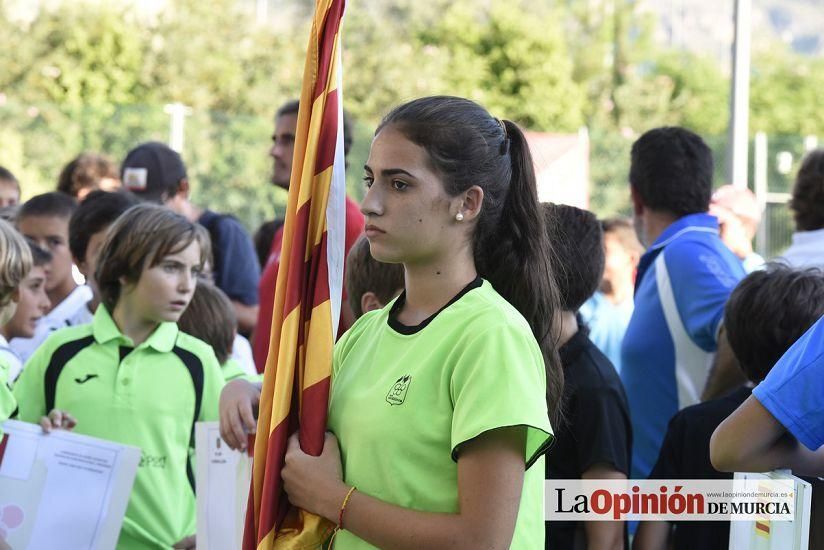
775 535
222 480
63 490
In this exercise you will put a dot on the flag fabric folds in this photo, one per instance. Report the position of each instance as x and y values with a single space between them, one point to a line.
307 298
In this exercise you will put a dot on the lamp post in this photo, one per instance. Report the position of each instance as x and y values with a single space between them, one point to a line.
177 112
737 161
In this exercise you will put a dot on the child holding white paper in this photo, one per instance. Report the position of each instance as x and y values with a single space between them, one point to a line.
131 376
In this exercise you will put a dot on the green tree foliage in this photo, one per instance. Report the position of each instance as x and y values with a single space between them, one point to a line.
517 66
676 88
700 91
73 58
786 93
96 76
212 56
98 79
384 62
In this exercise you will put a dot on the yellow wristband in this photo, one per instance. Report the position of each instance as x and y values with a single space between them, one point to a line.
343 506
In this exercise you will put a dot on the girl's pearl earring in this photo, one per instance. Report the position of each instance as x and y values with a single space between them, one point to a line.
459 217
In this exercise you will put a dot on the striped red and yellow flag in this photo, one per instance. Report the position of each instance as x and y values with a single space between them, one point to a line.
307 297
762 524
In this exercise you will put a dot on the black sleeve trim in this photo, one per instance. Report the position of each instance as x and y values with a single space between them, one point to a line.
195 368
528 460
59 359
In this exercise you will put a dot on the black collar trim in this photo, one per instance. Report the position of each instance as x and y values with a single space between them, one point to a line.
399 327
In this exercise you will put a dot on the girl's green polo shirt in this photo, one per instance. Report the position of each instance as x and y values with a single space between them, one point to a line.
148 396
404 399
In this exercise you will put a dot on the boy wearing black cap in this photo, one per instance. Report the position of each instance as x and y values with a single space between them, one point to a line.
156 173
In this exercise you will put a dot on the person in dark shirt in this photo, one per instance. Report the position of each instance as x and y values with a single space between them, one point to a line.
263 238
766 313
595 439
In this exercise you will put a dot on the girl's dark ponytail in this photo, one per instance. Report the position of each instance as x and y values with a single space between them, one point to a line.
516 257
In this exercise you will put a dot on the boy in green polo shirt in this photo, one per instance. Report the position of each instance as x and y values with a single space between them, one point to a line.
15 263
131 376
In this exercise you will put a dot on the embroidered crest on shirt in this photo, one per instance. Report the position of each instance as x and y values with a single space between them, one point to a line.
397 394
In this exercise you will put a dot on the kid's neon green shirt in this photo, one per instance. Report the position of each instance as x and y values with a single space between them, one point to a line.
404 399
233 371
148 396
7 402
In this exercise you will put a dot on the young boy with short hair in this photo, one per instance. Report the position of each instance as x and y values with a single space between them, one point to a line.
87 232
608 311
207 319
9 188
595 440
370 284
32 305
768 311
211 318
15 263
131 375
45 220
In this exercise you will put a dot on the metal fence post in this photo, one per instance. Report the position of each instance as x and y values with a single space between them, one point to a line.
762 236
740 96
177 113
